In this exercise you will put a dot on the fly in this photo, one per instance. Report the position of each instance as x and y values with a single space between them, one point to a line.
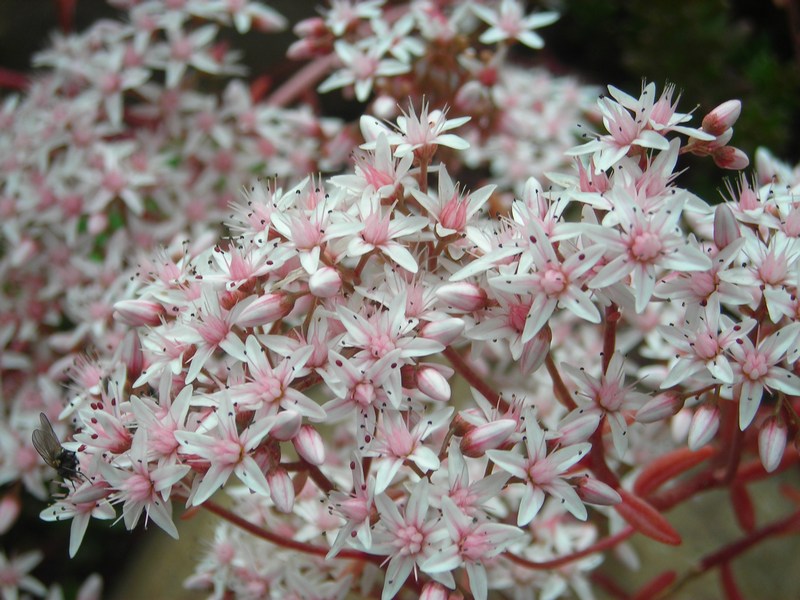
46 442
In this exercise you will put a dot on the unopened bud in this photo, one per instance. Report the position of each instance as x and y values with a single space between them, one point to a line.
444 331
281 489
731 158
137 313
286 425
309 445
462 295
434 591
771 443
594 491
704 426
726 229
265 309
661 407
9 511
325 282
722 117
432 383
579 428
488 436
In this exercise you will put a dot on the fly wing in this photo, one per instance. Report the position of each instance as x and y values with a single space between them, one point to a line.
46 441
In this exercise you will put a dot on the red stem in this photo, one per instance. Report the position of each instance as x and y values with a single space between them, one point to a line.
734 549
283 541
302 80
603 544
559 389
475 380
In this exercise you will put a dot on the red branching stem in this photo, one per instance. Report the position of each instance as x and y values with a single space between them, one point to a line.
600 546
283 541
734 549
729 583
559 389
732 438
475 380
323 483
301 81
610 334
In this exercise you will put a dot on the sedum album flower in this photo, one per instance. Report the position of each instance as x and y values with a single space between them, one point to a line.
227 451
542 471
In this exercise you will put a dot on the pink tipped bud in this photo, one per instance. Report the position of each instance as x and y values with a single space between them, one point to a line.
325 283
488 436
286 425
309 445
432 383
265 309
731 158
661 407
138 312
462 295
9 511
704 426
771 443
434 591
596 492
444 331
578 429
130 353
312 26
726 229
97 223
281 489
722 117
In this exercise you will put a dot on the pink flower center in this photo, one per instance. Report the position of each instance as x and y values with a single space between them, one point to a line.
646 247
553 281
454 214
706 346
755 367
409 540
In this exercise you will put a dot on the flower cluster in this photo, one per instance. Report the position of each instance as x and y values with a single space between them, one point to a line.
471 361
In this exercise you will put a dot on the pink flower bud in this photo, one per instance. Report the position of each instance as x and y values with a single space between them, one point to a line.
265 309
432 383
309 445
138 312
726 229
434 591
325 282
578 429
771 443
462 295
130 352
704 426
731 158
97 223
488 436
281 489
9 511
722 117
311 26
286 425
596 492
661 407
444 331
